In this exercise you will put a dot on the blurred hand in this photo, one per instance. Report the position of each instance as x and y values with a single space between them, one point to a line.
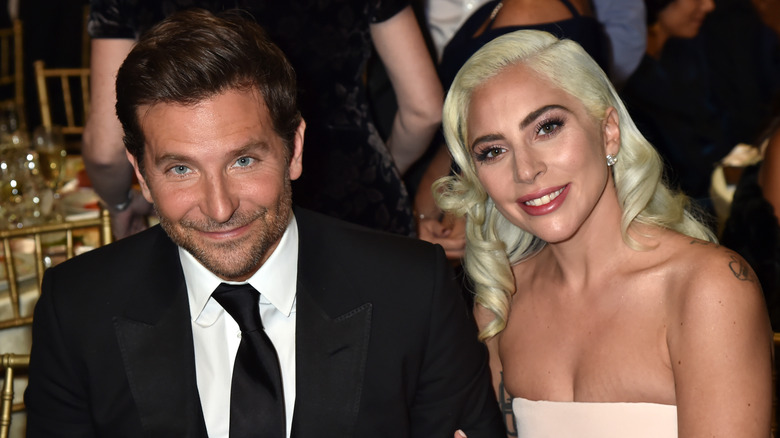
133 219
449 232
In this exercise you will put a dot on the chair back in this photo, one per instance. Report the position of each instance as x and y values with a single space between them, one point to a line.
12 70
26 253
10 363
72 106
25 274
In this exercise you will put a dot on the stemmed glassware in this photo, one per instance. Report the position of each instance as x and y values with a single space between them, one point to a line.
49 143
31 175
24 196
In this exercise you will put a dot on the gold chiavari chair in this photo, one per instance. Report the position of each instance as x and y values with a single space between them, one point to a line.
23 288
75 111
11 363
102 223
12 68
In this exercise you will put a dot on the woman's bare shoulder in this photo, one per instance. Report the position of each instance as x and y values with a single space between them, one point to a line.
708 281
719 340
697 264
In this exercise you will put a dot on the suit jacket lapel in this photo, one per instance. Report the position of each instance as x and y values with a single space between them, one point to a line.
331 346
155 338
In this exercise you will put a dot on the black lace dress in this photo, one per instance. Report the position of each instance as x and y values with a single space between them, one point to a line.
347 170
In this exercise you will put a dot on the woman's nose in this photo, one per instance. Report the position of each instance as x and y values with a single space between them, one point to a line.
528 168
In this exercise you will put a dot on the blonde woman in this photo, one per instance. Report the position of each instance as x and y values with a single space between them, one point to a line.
608 309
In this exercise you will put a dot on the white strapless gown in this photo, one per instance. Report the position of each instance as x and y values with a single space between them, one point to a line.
543 419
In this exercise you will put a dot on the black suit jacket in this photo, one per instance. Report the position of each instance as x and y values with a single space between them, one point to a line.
384 343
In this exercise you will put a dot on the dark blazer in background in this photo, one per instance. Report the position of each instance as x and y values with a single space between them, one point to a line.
384 343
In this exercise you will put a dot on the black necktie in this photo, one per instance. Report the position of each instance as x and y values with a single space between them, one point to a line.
256 397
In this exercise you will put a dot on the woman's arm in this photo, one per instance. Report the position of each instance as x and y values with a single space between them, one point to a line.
103 150
400 45
720 347
482 316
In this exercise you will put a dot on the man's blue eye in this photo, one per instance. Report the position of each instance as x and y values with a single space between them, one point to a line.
244 161
180 170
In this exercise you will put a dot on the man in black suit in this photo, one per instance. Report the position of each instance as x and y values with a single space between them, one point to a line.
371 335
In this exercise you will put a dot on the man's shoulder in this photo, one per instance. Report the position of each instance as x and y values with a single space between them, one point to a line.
121 255
319 229
103 282
331 249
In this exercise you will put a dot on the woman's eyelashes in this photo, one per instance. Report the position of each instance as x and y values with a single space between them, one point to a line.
488 153
548 126
545 128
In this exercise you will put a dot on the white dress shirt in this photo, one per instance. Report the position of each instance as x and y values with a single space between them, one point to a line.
217 336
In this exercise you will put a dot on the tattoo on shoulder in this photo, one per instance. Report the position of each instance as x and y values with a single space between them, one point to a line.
740 268
737 264
505 402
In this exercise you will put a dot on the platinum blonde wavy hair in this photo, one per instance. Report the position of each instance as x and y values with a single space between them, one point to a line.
493 243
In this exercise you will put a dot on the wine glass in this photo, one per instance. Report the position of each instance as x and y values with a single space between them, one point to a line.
24 196
49 143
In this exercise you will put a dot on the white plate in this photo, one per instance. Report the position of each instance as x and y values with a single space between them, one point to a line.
81 202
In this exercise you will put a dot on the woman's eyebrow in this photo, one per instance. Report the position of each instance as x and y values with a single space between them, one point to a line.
484 139
528 120
533 115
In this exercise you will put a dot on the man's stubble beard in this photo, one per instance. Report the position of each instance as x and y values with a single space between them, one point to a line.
233 260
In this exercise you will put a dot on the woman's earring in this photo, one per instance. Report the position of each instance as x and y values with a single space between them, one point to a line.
611 160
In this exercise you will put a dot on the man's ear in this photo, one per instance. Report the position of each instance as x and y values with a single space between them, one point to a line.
141 181
296 160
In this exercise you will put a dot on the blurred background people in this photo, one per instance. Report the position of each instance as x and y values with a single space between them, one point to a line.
740 41
752 228
573 19
351 172
670 96
703 86
624 23
445 17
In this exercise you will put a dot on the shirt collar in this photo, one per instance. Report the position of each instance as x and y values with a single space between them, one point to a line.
276 280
